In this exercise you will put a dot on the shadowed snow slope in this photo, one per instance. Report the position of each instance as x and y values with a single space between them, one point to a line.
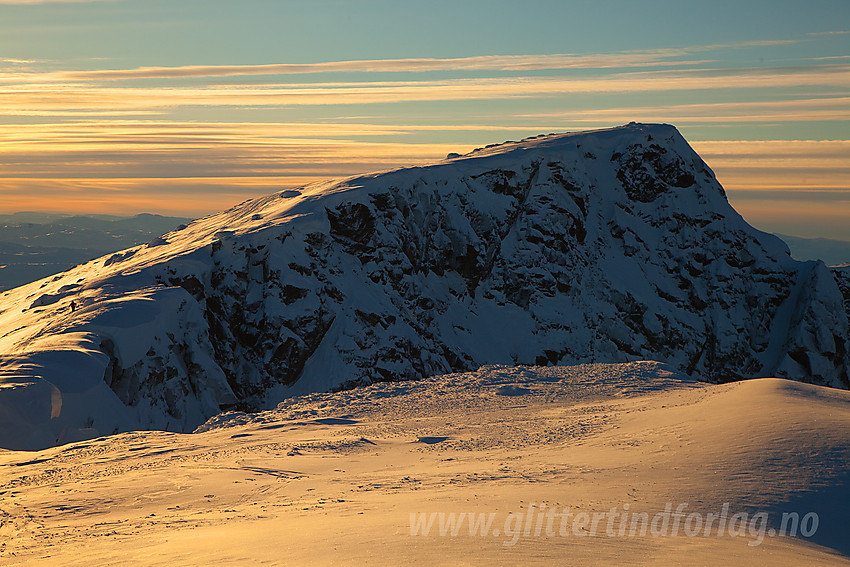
332 479
606 246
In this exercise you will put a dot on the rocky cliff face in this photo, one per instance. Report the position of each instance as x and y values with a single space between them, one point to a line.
605 246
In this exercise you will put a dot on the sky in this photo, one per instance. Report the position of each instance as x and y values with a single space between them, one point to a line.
187 107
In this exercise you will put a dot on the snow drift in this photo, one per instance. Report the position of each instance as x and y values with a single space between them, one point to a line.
609 246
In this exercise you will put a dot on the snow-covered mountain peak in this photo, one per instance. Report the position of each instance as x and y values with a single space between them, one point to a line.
610 137
604 246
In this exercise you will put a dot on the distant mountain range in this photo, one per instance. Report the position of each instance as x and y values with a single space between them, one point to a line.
830 252
35 245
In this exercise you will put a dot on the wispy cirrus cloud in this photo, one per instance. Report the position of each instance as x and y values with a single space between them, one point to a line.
129 166
773 181
102 159
161 149
51 1
626 59
780 165
840 32
787 186
8 61
106 139
794 110
483 63
28 99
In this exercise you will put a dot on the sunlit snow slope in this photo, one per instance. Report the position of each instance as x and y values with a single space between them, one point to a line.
332 479
606 246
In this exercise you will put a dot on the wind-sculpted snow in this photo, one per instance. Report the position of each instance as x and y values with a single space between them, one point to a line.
516 444
605 246
482 388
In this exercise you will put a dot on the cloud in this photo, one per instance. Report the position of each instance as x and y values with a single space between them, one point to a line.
791 170
88 141
795 110
841 32
20 2
127 166
808 214
130 196
145 158
624 59
216 150
491 63
33 99
8 61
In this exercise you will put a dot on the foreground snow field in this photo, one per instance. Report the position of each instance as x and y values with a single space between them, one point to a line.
335 478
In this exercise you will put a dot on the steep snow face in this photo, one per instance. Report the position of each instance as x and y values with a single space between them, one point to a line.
611 246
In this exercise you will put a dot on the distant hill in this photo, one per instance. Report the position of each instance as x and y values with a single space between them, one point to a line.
831 252
35 245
